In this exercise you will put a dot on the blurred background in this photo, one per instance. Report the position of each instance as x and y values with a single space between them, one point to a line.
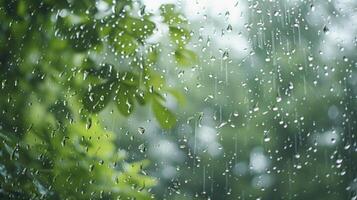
270 109
265 108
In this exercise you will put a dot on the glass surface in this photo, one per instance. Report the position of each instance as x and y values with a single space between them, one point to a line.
176 100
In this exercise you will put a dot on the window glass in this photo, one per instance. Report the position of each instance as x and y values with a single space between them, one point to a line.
202 99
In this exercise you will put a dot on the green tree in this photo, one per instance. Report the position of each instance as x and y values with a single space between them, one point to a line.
62 62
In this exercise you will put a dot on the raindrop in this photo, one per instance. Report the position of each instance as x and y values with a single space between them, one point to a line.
326 30
142 148
142 10
266 138
333 140
89 123
312 7
345 59
91 167
222 124
229 28
225 55
141 130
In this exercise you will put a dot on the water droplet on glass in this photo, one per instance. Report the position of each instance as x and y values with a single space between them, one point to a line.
326 29
141 130
229 28
225 55
142 148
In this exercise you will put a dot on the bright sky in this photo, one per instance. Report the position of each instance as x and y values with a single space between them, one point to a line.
195 10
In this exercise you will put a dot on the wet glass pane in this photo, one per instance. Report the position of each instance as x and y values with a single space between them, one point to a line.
176 100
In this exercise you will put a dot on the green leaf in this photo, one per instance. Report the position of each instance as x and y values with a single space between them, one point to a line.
5 138
88 63
98 97
129 78
106 71
153 79
179 36
163 115
83 37
140 29
152 54
185 57
124 43
141 97
171 16
21 8
125 99
101 147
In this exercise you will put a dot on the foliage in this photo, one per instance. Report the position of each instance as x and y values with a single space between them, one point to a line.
52 145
